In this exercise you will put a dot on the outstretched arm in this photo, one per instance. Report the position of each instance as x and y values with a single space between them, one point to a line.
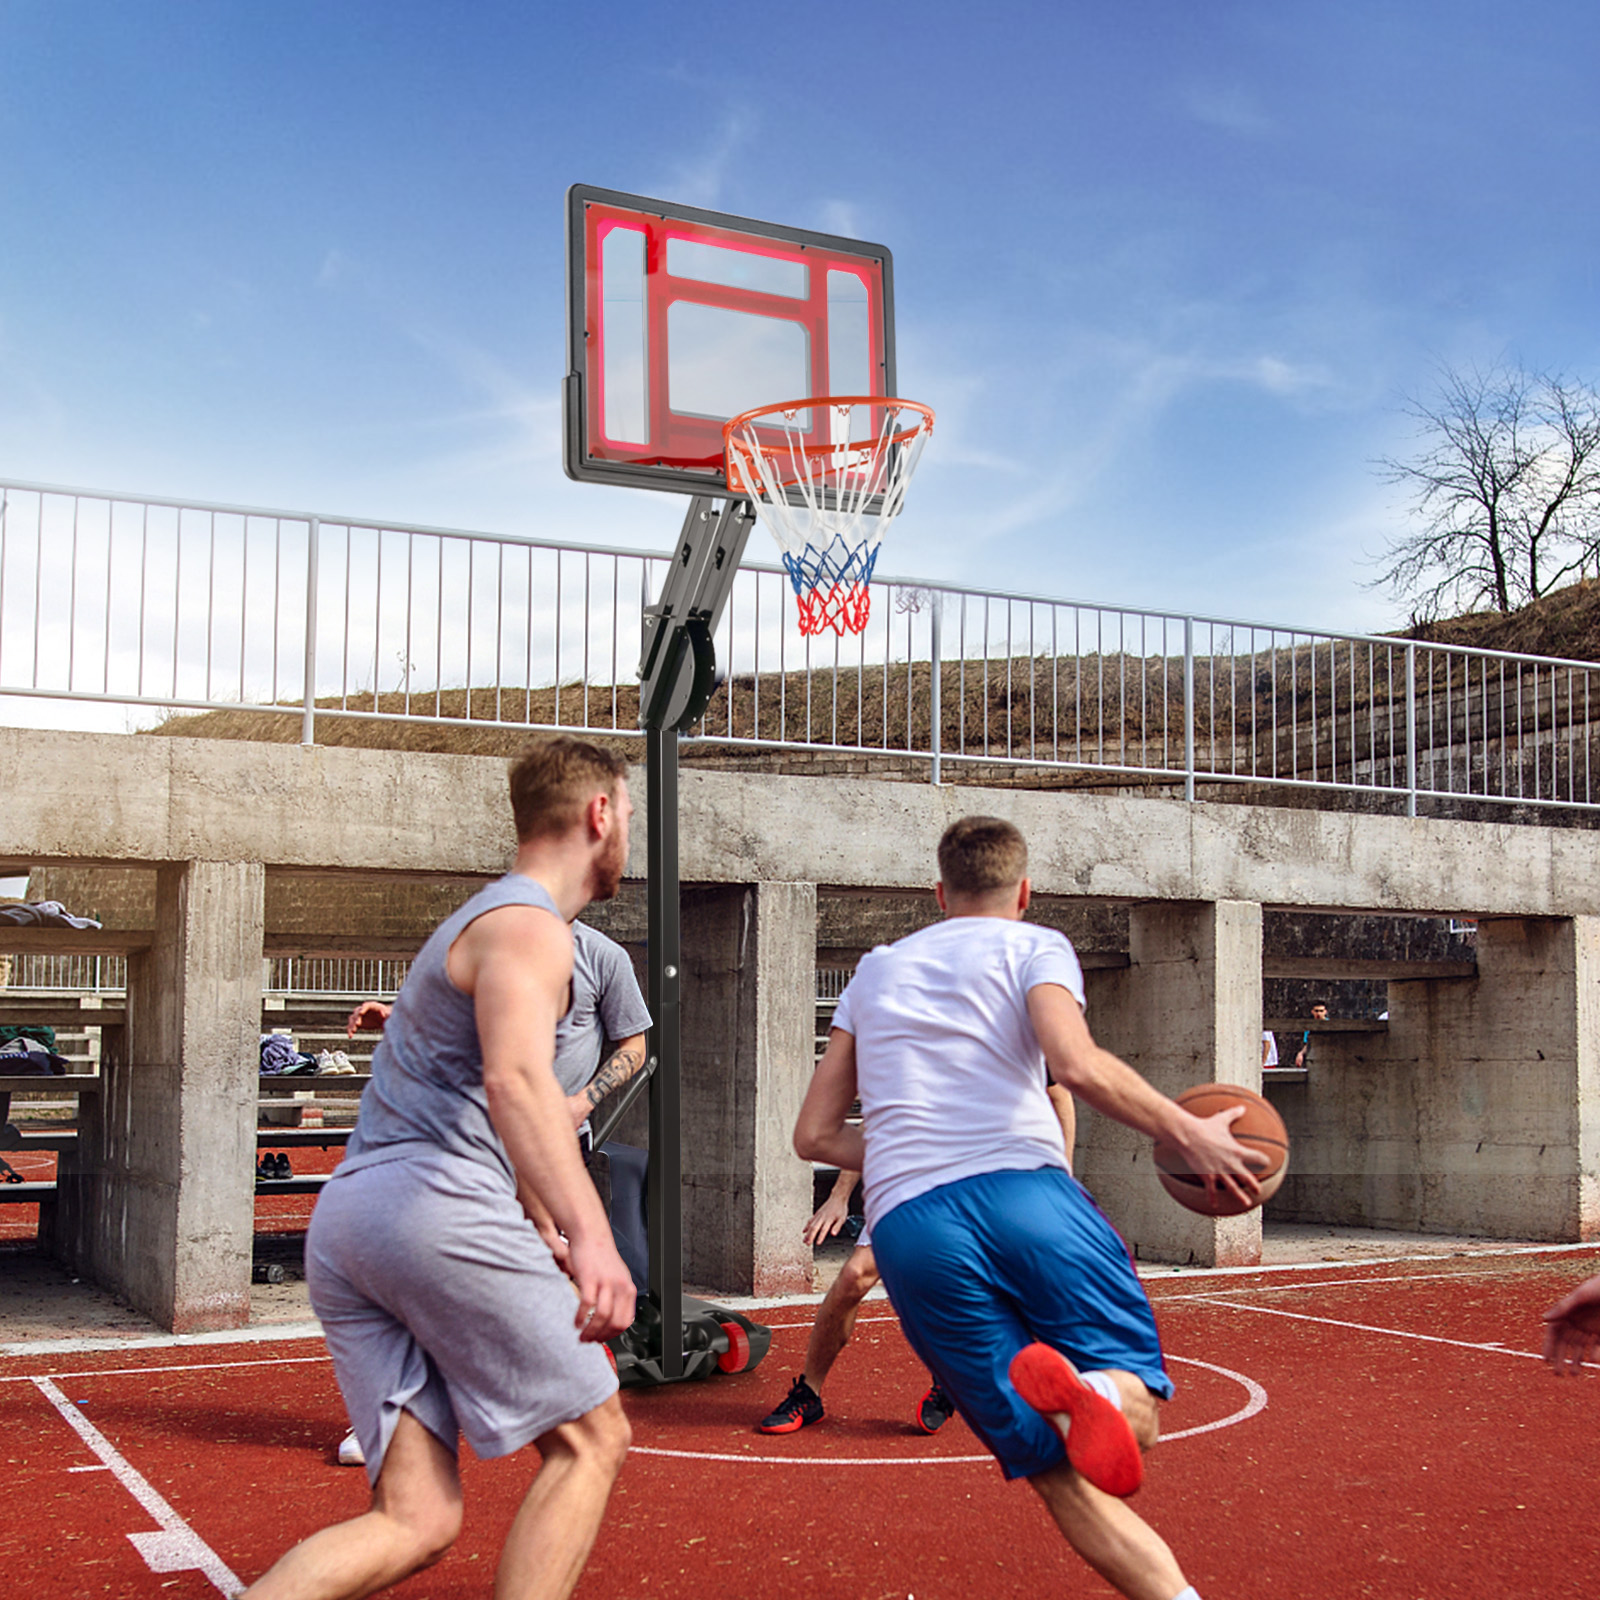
1111 1086
625 1063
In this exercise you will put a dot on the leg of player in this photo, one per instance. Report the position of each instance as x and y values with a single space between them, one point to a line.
414 1518
1111 1536
836 1316
830 1333
555 1526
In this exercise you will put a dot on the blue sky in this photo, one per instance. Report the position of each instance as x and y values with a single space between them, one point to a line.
1166 271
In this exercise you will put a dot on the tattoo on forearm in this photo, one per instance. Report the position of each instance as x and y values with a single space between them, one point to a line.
614 1074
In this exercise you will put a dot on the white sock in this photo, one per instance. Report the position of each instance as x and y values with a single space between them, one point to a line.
1188 1594
1104 1383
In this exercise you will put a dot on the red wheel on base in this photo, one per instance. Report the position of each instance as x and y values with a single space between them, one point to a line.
737 1356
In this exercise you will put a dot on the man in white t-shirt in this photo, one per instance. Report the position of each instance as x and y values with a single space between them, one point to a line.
1008 1282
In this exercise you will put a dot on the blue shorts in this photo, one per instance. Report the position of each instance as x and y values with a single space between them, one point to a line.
983 1266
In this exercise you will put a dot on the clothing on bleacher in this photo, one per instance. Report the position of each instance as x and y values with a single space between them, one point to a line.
46 914
21 1058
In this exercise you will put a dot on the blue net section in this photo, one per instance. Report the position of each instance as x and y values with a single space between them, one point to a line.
831 584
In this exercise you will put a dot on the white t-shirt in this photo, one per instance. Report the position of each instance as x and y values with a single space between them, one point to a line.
949 1072
1270 1040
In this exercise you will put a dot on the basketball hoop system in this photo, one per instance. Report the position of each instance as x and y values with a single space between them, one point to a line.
827 505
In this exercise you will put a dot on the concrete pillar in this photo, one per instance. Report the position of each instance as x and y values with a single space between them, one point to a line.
164 1189
1186 1010
1483 1114
749 996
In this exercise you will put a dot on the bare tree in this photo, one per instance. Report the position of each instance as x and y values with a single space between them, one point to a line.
1506 492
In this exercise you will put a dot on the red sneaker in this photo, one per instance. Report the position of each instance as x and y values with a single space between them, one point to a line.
1100 1444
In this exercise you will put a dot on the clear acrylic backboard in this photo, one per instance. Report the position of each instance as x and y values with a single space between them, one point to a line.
680 319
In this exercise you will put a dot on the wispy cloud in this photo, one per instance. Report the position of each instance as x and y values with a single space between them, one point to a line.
701 178
1232 109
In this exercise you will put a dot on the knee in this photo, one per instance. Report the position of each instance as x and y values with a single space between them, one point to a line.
857 1279
437 1537
428 1531
1139 1406
600 1438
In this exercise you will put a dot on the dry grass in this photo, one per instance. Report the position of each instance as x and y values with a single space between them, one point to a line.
1252 712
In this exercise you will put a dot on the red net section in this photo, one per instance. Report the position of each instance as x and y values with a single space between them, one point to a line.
844 607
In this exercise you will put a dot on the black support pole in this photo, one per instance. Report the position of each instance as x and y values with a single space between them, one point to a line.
665 1183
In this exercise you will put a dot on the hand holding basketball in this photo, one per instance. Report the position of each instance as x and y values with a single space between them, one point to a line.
1235 1161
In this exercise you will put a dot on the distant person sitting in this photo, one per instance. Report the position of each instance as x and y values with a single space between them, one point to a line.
1302 1058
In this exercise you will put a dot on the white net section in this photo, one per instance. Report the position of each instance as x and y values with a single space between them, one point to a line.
828 503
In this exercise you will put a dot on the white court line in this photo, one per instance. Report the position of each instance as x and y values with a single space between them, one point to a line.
1331 1283
176 1547
1150 1272
809 1461
163 1341
181 1366
1256 1400
1493 1348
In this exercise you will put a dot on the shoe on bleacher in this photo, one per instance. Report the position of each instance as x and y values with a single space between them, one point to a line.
325 1063
267 1167
281 1167
800 1408
350 1451
936 1409
1100 1443
340 1066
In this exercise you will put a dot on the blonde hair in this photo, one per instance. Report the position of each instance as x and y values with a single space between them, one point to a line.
978 855
553 780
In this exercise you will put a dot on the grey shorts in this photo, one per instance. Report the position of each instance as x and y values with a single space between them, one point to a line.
438 1297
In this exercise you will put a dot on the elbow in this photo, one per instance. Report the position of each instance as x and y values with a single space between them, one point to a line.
808 1141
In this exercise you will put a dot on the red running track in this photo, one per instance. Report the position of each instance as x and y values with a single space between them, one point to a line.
1381 1430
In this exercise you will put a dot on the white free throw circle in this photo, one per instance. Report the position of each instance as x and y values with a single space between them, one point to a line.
1255 1401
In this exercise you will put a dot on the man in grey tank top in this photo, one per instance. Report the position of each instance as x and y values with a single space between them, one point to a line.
440 1251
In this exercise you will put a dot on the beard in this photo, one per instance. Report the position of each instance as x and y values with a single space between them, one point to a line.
606 876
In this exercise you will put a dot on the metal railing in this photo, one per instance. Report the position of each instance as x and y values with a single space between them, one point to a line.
183 606
348 977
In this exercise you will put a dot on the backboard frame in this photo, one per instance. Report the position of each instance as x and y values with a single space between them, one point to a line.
684 454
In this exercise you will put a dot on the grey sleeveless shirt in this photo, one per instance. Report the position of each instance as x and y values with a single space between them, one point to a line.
426 1096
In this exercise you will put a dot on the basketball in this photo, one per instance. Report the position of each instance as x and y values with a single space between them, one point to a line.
1261 1128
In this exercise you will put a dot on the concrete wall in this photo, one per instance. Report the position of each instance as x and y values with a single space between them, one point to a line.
1475 1113
749 979
158 1201
436 816
166 1205
1186 1010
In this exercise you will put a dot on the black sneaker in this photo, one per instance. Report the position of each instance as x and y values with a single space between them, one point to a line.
284 1169
936 1409
801 1407
267 1166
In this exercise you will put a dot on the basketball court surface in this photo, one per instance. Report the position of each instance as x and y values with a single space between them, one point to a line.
1382 1428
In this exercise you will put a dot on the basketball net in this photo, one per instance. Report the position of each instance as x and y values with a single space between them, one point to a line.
827 505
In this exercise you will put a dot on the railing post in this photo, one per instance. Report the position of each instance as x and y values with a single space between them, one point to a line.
1411 730
1188 708
308 716
935 711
